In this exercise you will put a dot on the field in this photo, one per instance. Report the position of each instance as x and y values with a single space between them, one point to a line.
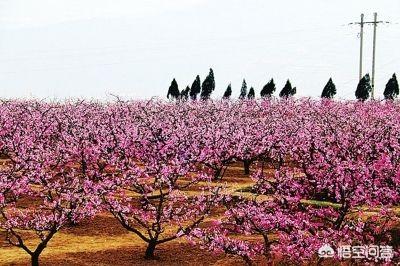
205 183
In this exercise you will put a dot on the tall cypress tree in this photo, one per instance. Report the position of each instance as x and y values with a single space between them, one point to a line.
251 94
363 88
228 92
268 89
173 90
243 90
208 86
329 90
196 88
287 91
392 88
185 93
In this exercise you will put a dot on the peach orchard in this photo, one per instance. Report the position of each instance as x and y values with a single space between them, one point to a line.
135 160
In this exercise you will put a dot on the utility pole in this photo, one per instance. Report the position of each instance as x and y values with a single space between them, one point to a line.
375 22
361 23
361 44
373 57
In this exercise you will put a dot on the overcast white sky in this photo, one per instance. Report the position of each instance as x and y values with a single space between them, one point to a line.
94 48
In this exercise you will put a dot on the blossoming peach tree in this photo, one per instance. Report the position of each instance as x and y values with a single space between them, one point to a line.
46 180
156 163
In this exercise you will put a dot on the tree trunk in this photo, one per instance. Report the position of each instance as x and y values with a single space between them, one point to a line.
35 255
217 173
267 246
35 259
247 260
339 221
151 247
246 164
342 214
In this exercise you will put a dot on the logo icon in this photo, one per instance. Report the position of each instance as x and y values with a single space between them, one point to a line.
326 251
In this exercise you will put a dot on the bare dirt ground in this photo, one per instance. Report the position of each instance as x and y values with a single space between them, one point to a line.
103 241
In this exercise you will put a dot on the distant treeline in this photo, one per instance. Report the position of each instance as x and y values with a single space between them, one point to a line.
205 89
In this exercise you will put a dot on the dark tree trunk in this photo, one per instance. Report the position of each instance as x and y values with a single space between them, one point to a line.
35 259
247 260
217 173
35 255
151 247
266 246
342 214
246 164
339 221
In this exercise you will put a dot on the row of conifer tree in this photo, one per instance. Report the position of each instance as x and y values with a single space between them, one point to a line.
205 89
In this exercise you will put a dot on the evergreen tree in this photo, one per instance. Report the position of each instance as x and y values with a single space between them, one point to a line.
392 88
196 88
243 90
173 90
251 94
329 90
268 89
185 93
228 92
287 91
363 88
208 86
